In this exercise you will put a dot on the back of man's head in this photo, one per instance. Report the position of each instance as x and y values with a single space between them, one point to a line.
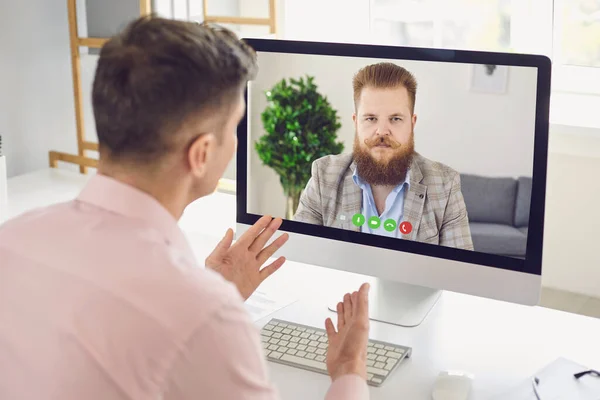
155 76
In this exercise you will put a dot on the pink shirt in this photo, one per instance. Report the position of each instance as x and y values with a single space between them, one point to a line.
101 298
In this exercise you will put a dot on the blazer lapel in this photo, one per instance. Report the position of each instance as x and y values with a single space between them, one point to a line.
414 201
351 201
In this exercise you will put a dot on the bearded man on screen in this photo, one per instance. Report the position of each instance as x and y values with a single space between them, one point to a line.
384 187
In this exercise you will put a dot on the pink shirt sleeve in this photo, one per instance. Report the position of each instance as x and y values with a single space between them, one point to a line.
224 360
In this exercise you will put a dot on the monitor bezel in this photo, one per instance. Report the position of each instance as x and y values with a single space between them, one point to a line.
532 264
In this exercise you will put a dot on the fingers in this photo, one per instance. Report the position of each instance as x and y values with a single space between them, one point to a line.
268 251
362 306
340 320
225 243
248 237
354 298
347 307
271 268
263 237
329 329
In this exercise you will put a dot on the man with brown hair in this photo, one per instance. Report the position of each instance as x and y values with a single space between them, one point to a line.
384 187
101 297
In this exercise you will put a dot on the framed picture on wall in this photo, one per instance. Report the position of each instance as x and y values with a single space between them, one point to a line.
489 78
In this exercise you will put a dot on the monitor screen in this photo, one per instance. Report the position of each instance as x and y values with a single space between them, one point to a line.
395 150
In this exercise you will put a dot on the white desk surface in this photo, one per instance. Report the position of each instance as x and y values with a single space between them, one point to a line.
500 343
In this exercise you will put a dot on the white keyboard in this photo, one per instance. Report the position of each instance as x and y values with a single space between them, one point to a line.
305 347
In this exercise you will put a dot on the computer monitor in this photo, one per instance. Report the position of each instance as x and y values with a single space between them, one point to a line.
424 168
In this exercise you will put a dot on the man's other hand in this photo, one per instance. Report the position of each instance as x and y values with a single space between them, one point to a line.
347 353
241 262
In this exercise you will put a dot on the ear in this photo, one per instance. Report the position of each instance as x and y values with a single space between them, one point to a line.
201 153
414 120
354 118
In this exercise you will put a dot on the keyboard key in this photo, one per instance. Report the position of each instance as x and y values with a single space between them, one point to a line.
285 343
303 361
322 345
320 358
319 333
301 347
282 325
370 349
292 351
389 348
377 371
301 329
378 346
393 354
287 331
311 349
323 339
266 333
380 358
295 333
273 347
295 339
265 345
311 331
282 349
305 335
306 341
292 345
379 365
286 337
369 377
381 352
376 380
311 356
277 335
371 356
370 363
268 327
264 339
274 341
275 355
275 323
301 353
313 343
399 350
313 337
390 365
321 351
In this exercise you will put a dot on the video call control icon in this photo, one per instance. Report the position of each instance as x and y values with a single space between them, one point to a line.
374 222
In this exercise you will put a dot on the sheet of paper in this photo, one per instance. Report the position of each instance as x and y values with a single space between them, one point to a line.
556 382
263 303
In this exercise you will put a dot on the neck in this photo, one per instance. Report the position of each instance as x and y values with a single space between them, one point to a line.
168 192
380 194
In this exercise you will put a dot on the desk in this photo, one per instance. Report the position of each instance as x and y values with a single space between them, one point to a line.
501 343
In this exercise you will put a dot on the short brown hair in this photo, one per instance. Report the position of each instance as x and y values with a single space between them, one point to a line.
385 75
155 75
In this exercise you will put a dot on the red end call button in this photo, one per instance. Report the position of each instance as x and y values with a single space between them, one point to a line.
405 227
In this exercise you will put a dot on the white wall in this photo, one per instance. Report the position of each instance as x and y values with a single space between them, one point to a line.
36 95
486 134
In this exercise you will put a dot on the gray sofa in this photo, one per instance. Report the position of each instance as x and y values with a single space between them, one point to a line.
498 211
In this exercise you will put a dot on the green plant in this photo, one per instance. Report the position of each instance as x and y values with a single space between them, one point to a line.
301 126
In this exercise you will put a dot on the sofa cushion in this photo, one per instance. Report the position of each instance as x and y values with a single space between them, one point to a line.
523 202
489 199
524 230
498 239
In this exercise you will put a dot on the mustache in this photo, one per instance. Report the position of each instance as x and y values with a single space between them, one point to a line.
382 140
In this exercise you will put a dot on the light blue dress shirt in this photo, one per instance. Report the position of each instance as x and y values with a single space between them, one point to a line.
394 206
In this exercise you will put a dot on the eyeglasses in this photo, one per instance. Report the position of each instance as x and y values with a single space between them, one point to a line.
536 381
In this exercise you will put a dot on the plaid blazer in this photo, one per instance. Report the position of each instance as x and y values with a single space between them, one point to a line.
434 204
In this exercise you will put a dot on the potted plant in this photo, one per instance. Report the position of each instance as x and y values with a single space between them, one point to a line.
301 126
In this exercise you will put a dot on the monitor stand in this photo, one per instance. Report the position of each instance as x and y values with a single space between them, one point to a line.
398 303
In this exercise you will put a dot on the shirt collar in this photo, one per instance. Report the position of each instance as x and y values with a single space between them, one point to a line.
112 195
